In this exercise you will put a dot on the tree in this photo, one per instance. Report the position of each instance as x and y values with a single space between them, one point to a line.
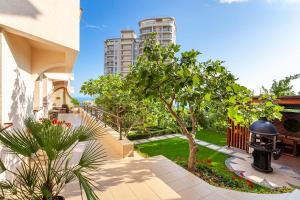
182 81
244 110
113 95
75 102
282 87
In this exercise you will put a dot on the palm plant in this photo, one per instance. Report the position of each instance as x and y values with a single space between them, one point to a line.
47 160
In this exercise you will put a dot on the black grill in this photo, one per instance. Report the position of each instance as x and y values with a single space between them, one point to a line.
263 141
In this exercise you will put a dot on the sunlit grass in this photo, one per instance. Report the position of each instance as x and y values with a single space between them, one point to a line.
214 137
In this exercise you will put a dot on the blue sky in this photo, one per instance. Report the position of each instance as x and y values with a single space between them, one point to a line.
258 39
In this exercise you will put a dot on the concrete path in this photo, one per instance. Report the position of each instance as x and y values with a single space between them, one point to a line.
155 178
240 163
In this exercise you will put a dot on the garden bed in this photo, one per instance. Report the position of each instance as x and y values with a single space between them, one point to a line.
210 165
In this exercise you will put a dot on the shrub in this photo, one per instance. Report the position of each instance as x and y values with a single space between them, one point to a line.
151 133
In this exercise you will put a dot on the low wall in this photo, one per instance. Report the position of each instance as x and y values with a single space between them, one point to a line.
124 148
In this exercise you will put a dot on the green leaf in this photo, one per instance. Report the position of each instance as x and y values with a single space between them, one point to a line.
232 112
180 72
269 104
196 80
232 100
207 96
219 69
236 88
228 88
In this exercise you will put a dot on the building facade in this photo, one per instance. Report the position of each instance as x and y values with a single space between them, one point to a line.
120 53
39 43
164 27
112 56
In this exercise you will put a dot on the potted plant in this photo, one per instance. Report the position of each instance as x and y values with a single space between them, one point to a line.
46 160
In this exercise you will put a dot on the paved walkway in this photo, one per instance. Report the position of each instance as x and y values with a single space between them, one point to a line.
155 178
240 163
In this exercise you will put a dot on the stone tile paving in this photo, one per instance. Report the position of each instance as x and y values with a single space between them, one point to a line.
240 163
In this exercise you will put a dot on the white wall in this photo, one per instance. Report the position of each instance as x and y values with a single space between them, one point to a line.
17 86
60 18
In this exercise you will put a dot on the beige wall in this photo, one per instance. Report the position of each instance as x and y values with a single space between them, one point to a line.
63 97
60 18
36 36
16 81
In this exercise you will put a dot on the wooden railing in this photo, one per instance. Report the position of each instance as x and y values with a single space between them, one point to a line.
107 118
237 136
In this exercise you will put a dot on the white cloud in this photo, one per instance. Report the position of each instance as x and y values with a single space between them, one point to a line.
232 1
87 25
292 1
268 1
284 1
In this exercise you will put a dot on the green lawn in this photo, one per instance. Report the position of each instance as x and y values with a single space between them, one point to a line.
218 138
175 148
211 164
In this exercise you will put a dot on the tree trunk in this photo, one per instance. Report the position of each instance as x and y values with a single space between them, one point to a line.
193 147
193 117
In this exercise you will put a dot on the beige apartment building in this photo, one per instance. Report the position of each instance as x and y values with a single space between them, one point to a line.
164 27
39 43
120 53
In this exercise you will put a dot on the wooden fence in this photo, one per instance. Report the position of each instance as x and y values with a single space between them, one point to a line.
237 136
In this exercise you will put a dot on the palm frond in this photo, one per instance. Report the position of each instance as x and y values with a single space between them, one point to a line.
90 130
19 141
27 177
45 175
86 184
92 156
2 166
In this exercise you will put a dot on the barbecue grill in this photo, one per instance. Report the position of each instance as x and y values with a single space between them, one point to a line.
263 141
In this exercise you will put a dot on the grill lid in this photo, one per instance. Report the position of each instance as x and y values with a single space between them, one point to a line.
263 127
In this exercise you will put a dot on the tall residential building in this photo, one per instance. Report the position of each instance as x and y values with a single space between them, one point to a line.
112 55
120 53
165 27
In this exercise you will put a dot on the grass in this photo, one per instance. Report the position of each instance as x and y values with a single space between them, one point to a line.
175 148
211 164
213 137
